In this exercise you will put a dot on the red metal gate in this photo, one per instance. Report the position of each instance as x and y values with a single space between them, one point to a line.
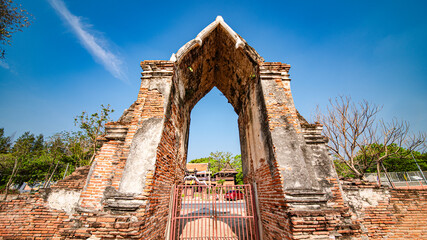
213 212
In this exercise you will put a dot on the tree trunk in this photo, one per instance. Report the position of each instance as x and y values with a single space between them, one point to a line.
51 175
66 170
47 175
386 174
378 174
91 159
15 169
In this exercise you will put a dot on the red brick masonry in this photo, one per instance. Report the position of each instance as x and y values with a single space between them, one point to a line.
387 214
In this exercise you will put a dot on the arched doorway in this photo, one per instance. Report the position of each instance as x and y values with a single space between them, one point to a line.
276 159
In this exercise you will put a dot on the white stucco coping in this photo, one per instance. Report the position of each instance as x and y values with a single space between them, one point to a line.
198 41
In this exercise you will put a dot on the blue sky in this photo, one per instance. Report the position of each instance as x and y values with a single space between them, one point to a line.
79 54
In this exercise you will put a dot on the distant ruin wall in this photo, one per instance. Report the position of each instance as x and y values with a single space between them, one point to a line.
387 213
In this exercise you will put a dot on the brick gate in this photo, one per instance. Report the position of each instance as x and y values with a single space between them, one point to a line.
126 193
213 212
283 156
144 153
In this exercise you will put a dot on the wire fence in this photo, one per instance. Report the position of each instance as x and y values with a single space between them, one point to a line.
400 179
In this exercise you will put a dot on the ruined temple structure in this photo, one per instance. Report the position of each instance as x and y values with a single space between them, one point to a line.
126 193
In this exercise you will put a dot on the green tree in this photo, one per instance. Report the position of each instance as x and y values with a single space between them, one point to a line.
13 18
93 125
221 181
5 142
61 153
343 170
77 147
32 159
56 153
6 162
22 151
218 160
400 162
28 149
237 165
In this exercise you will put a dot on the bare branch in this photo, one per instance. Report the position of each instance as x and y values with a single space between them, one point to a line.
359 140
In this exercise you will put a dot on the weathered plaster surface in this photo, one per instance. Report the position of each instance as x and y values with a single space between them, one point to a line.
365 197
142 156
63 200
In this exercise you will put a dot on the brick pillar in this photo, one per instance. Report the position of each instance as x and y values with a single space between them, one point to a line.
100 175
119 163
147 129
291 153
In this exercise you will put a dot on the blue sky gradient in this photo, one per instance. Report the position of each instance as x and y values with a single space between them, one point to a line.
373 50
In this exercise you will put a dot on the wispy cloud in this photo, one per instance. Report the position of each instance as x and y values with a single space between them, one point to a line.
4 65
93 44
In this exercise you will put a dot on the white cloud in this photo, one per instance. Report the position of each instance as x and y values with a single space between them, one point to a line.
100 53
4 65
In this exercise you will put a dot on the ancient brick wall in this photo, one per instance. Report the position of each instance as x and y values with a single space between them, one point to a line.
109 164
29 217
169 170
126 192
101 174
292 154
386 213
275 223
382 213
325 219
75 181
260 166
320 214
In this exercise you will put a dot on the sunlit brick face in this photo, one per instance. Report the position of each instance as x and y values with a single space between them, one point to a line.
218 63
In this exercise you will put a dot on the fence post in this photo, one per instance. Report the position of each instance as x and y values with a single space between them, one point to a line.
385 172
258 213
422 174
169 223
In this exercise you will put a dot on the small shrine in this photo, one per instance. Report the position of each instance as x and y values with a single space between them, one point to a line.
227 176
